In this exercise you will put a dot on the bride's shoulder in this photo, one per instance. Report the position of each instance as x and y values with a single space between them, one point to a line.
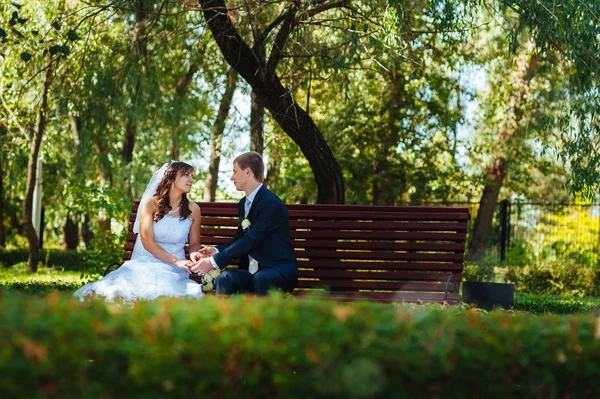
149 203
194 207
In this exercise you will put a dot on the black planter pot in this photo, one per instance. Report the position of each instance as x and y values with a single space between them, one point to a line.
489 295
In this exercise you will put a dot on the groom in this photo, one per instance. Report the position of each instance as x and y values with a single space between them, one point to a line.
262 242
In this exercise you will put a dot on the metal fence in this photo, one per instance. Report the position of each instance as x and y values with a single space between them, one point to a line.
543 230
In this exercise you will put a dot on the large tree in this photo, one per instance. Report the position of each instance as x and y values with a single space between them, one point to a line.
261 75
571 29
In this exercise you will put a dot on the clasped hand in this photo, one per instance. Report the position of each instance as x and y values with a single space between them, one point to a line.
200 261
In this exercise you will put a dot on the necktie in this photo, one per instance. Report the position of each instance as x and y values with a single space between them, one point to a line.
253 265
248 205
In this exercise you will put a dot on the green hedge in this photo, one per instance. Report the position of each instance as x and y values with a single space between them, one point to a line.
69 260
282 347
40 287
556 304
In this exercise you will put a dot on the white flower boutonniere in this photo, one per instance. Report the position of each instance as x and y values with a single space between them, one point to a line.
245 224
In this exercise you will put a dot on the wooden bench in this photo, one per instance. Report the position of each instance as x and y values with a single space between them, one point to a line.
382 253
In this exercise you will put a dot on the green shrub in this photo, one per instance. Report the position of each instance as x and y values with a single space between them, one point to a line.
105 249
67 260
282 347
553 278
9 257
40 287
555 305
481 271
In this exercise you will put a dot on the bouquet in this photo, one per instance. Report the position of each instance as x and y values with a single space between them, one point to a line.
208 280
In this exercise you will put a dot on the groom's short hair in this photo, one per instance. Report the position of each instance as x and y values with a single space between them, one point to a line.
251 160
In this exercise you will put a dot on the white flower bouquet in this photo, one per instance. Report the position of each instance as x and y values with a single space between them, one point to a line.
208 280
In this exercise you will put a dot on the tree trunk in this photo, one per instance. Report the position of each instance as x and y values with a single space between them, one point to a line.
36 141
140 47
210 186
2 230
279 101
386 183
71 234
257 117
129 143
509 138
86 232
482 227
3 131
181 89
71 239
105 174
272 179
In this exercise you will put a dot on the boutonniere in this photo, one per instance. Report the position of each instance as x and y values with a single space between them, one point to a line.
245 224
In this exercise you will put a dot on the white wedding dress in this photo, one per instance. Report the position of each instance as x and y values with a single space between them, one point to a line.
146 277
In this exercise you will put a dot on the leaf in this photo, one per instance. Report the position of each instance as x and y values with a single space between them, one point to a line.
59 49
72 35
55 25
54 50
13 18
25 56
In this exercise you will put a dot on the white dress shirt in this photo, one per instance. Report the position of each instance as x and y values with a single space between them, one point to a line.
253 265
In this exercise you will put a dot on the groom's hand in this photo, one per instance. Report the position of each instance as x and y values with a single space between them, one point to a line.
196 256
208 251
202 266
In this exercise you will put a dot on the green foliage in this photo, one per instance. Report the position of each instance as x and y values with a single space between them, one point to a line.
45 280
571 28
554 278
66 260
283 347
480 271
37 287
567 244
555 305
106 248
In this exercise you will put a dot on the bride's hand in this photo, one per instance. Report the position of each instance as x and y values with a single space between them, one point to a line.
184 264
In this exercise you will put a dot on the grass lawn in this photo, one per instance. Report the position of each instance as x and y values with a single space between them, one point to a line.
49 279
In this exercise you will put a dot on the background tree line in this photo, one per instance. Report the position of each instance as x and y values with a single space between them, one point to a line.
370 102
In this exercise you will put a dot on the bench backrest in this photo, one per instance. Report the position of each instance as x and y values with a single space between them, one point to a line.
385 253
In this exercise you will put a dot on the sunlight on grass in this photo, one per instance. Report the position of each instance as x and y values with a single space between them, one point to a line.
19 273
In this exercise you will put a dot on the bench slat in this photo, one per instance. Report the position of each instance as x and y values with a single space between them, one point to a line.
378 245
380 296
375 275
329 264
349 235
373 255
372 285
345 215
349 252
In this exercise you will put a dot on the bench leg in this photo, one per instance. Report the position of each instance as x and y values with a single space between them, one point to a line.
110 267
451 277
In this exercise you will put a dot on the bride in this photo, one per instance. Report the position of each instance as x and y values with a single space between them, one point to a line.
165 221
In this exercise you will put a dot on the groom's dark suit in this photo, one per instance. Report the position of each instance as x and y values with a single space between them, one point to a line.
267 240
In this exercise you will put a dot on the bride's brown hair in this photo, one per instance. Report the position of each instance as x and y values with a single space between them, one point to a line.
164 187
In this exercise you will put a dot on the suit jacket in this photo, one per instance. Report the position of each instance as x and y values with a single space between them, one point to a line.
267 239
